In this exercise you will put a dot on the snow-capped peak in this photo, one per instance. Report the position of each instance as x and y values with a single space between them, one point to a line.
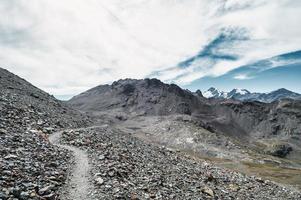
238 91
213 92
244 95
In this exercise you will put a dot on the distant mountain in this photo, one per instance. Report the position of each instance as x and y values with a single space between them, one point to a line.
214 93
245 95
278 94
148 96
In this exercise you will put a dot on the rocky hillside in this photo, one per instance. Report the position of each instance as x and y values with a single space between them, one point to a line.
19 94
274 127
141 97
31 168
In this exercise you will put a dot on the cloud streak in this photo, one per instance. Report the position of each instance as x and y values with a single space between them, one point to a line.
242 77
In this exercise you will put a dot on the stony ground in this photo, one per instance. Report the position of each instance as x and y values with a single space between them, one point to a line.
124 167
78 186
30 167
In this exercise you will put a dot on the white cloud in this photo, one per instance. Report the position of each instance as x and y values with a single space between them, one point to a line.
68 46
242 77
273 30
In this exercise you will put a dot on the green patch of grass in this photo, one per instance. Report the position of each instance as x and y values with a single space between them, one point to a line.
269 171
282 175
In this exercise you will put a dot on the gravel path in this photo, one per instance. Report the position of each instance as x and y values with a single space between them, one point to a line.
78 187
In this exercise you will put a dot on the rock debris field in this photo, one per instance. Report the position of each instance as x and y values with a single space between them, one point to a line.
124 167
30 166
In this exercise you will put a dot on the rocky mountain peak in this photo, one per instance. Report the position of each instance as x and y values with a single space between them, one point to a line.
148 96
199 93
237 92
283 91
240 91
212 89
214 93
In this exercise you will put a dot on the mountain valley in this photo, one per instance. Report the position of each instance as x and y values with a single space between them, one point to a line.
144 139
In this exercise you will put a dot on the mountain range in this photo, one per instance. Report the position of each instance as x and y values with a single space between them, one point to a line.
247 121
245 95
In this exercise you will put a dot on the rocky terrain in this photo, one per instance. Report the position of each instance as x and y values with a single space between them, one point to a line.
30 167
139 139
125 167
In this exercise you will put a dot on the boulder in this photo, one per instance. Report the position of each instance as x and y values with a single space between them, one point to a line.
279 149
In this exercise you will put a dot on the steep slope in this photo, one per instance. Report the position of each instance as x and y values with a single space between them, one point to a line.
273 128
30 167
21 95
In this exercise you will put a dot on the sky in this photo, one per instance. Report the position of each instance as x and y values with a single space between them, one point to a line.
263 76
66 47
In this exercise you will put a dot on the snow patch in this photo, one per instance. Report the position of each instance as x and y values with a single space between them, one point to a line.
241 91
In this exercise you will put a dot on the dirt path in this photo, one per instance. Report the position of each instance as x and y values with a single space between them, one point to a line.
78 187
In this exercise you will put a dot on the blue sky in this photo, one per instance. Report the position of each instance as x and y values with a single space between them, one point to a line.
262 76
66 47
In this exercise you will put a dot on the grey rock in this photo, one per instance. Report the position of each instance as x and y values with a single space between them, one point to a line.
10 157
15 192
99 181
24 195
3 131
3 196
46 190
279 149
207 190
50 197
